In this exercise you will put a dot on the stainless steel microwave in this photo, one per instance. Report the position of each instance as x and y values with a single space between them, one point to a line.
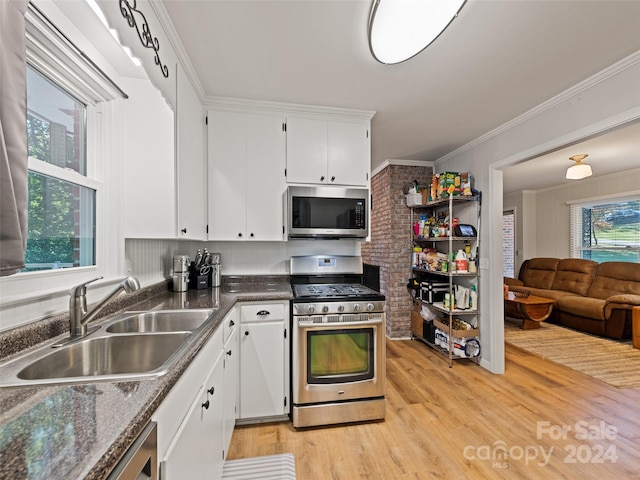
327 212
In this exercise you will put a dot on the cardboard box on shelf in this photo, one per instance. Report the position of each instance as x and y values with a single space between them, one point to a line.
445 181
455 183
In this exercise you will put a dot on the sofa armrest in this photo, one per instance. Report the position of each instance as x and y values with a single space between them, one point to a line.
627 299
621 302
513 282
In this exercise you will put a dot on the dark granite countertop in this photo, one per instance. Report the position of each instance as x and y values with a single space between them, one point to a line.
81 430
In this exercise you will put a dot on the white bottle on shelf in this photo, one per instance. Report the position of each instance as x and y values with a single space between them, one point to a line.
461 262
473 298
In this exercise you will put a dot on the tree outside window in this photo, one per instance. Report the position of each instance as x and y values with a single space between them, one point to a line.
61 232
607 232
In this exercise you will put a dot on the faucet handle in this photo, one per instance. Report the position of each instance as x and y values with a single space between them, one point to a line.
80 290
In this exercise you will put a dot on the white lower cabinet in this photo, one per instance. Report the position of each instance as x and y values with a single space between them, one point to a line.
197 448
264 361
197 417
231 361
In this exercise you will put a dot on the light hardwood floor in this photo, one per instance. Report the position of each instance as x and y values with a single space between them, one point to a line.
466 423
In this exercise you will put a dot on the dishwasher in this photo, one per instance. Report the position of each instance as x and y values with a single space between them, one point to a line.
140 462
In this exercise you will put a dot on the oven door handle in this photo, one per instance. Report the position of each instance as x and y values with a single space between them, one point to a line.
368 323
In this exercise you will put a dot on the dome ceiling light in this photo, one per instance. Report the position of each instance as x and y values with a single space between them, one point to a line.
579 170
400 29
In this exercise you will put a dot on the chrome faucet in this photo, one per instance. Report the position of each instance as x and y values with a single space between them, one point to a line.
78 315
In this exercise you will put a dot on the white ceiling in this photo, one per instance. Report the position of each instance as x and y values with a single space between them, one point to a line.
497 60
613 152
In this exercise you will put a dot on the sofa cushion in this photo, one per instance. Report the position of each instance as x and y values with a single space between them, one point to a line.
540 272
615 278
582 306
574 275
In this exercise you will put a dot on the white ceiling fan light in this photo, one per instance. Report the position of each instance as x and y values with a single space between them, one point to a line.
579 170
400 29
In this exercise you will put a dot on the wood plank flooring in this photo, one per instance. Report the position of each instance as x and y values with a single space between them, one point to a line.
537 421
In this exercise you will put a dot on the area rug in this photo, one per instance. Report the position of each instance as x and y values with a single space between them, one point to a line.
271 467
614 362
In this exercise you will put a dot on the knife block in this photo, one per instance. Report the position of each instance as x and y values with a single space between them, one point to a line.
197 281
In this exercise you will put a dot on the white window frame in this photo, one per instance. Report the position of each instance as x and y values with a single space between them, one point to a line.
29 296
575 216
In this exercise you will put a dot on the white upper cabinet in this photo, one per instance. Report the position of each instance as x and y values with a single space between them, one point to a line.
328 152
246 155
265 177
149 166
306 150
191 182
164 174
348 161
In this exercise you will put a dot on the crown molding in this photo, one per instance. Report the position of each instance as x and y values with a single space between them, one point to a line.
402 163
174 39
231 103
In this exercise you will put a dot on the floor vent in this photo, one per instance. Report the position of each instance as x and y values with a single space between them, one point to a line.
271 467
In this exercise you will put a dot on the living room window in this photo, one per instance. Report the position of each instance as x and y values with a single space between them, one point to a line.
606 230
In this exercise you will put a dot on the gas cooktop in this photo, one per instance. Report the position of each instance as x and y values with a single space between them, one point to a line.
333 291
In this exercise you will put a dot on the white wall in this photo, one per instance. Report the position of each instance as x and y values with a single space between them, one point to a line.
151 260
605 101
553 211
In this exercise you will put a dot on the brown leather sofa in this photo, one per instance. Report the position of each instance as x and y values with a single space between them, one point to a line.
591 297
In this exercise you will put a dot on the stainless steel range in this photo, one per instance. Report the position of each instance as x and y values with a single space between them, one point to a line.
338 335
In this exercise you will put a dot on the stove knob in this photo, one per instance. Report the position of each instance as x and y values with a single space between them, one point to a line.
369 306
311 309
341 308
325 308
356 307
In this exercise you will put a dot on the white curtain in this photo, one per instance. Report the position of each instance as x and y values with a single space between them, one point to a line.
13 137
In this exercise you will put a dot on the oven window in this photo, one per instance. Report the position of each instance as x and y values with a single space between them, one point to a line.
340 355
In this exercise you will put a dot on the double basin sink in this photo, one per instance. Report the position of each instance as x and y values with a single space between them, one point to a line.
131 345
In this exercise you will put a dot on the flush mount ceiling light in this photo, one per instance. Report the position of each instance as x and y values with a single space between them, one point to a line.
400 29
579 170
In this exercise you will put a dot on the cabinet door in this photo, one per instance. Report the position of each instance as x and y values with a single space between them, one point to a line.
227 175
262 370
197 448
306 150
265 177
175 406
190 161
348 153
231 356
149 166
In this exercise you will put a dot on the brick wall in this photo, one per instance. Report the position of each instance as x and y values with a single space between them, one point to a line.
390 245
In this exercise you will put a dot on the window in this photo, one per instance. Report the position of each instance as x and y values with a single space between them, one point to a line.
508 243
62 201
606 232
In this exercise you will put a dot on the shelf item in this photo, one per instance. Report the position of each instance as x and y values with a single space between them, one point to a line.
474 332
444 290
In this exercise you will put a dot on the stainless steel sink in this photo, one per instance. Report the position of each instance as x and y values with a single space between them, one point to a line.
130 345
159 321
107 357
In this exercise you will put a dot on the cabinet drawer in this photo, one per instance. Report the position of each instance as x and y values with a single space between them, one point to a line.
267 312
